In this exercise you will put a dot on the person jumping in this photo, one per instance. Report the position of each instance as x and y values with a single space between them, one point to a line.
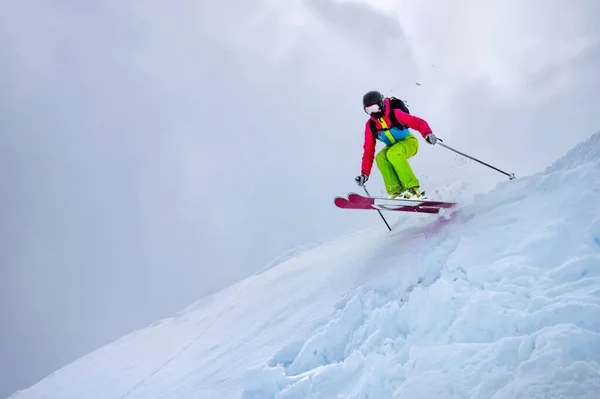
389 122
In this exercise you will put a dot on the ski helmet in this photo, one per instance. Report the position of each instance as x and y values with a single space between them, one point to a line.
374 97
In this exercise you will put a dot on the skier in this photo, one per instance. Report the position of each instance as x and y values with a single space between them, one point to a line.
389 122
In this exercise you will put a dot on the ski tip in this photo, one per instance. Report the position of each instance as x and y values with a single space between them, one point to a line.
340 201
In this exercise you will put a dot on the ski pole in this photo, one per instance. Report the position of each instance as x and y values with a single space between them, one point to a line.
378 211
511 176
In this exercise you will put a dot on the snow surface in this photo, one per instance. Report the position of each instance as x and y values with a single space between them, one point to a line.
498 300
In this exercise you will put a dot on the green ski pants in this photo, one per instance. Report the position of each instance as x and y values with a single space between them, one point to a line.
394 167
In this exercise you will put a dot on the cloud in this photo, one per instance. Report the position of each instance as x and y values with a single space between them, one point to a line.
154 152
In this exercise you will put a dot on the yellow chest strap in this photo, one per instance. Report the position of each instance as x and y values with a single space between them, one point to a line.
386 131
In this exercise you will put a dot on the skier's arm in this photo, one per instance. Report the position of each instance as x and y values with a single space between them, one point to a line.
413 122
368 151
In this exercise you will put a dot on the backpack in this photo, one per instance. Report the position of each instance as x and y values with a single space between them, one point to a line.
395 103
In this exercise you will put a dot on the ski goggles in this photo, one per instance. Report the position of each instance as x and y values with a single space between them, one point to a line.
371 109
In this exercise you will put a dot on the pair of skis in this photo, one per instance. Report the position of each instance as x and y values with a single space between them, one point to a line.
357 201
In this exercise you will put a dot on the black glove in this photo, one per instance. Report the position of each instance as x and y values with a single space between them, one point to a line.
431 139
362 179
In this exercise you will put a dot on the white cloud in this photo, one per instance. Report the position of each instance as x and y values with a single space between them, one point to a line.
141 138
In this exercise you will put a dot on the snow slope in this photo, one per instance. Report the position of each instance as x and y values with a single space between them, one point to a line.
499 300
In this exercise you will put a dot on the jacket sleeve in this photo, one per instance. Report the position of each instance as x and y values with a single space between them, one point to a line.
413 122
368 151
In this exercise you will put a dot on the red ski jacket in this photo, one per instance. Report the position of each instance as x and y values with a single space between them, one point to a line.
411 121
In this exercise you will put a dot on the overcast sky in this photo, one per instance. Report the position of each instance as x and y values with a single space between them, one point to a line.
153 152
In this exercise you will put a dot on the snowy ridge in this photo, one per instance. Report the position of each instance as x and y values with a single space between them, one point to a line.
502 303
583 153
499 300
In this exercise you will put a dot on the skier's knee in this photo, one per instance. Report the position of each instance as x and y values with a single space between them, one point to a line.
399 153
381 157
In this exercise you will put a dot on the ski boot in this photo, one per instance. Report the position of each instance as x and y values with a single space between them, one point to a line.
413 193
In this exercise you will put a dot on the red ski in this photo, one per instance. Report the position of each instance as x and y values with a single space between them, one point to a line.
346 204
362 200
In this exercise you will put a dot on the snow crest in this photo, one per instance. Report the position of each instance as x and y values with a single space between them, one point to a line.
502 302
583 153
499 300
